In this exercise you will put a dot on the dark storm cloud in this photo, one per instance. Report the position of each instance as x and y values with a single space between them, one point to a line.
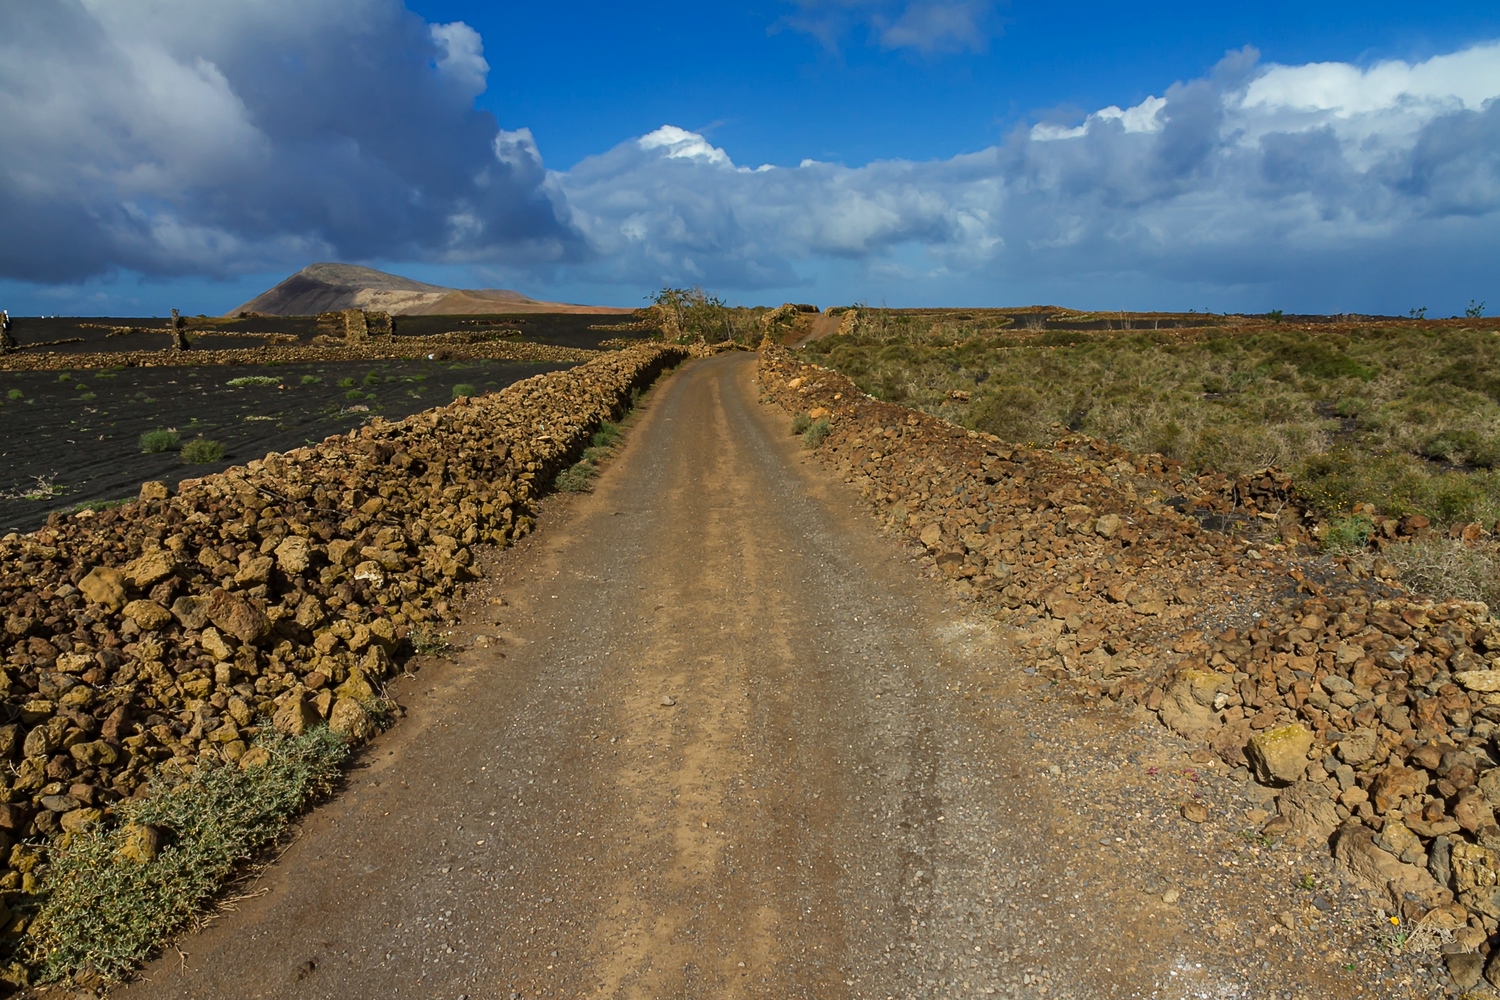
182 137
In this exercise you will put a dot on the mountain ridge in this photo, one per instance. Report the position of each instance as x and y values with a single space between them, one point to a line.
329 286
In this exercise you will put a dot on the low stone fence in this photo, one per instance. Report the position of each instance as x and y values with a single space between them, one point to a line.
1373 711
140 639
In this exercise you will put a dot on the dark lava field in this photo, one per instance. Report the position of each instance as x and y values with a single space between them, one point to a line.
74 437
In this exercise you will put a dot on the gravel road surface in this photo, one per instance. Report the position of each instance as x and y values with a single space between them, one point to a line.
710 735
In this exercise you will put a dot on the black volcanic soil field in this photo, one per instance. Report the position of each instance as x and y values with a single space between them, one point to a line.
71 438
81 334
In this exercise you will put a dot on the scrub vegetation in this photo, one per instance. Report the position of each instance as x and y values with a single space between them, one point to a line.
1401 416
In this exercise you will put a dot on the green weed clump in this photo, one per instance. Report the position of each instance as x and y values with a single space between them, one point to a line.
15 394
249 380
815 433
800 423
160 440
312 380
103 912
606 435
463 389
202 451
577 478
1347 534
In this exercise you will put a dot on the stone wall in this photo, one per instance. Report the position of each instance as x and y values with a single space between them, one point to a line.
140 639
1372 711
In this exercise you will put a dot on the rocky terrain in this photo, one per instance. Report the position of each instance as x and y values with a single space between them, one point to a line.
279 594
1369 711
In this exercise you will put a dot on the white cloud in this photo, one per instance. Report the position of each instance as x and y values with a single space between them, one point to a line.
461 56
1252 180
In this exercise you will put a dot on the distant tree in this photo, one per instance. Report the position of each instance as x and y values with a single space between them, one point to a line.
1475 310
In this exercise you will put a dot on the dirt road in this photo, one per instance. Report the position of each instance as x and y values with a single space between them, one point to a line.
729 744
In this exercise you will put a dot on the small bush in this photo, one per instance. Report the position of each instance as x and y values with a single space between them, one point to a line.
605 436
373 378
578 478
104 913
800 423
1347 534
355 395
202 451
249 380
1447 568
346 383
159 440
815 433
463 389
312 380
15 394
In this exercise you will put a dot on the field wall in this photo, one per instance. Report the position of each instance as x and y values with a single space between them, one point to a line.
140 639
1372 712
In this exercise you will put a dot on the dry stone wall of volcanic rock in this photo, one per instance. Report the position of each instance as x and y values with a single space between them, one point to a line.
275 594
457 348
1372 711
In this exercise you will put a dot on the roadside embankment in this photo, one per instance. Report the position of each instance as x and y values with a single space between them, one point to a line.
1372 712
144 639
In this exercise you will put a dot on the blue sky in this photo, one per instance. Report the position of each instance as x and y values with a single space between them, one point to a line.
1333 157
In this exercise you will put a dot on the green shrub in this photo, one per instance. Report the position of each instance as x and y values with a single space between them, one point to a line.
800 423
15 394
815 433
373 378
355 395
202 451
346 383
104 913
577 478
312 380
606 435
249 380
160 440
1346 534
463 389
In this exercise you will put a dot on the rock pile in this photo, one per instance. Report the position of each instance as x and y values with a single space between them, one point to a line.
1373 713
354 326
140 639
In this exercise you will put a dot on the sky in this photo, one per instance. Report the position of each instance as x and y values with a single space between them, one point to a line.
1332 157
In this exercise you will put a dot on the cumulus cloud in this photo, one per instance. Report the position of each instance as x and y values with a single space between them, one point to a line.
1313 182
928 27
180 137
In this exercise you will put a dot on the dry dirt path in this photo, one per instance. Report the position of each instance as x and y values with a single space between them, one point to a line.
855 792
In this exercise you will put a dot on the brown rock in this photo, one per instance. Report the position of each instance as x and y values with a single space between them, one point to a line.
1187 706
104 586
1476 877
153 567
141 843
293 555
1194 812
350 720
1279 755
238 617
148 614
191 611
296 715
1309 810
1395 783
154 490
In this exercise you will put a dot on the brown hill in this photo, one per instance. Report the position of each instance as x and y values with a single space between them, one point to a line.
322 288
